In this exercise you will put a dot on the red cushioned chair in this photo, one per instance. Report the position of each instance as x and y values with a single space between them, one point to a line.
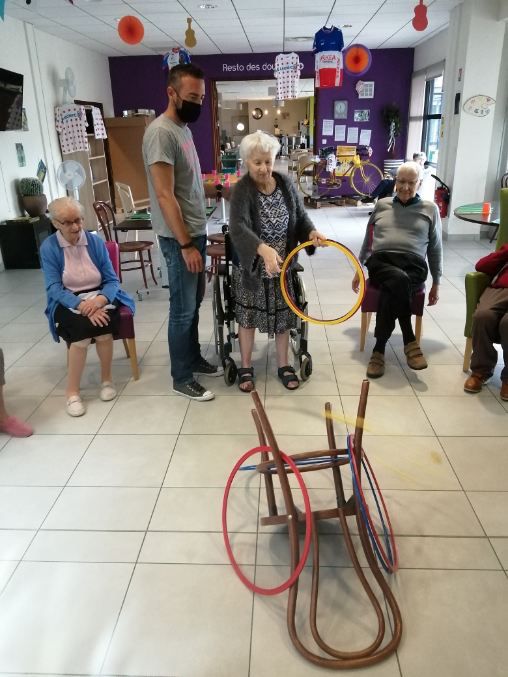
126 325
370 304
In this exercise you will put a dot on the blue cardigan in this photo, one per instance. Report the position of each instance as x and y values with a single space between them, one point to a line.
52 261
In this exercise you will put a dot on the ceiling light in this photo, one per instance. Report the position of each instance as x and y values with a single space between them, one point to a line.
208 5
266 111
347 26
240 126
300 38
278 111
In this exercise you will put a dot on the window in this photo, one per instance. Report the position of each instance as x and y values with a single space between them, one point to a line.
432 118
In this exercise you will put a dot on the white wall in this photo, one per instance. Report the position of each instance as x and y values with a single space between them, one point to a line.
431 51
42 58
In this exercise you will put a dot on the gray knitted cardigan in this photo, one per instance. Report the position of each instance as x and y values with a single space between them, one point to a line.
245 225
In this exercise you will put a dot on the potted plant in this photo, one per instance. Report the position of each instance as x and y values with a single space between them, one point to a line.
391 119
33 200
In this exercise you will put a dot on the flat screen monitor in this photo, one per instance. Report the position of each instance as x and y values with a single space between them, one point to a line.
11 100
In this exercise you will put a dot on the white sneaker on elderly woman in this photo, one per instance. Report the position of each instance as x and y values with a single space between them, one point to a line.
75 406
108 391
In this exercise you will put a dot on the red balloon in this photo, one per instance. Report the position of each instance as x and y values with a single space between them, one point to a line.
131 30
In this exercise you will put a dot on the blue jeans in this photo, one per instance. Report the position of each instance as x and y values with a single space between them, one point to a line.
186 292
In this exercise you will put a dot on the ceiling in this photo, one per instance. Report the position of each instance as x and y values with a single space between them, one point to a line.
232 26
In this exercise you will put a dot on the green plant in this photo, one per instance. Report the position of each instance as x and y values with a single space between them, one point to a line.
391 113
30 186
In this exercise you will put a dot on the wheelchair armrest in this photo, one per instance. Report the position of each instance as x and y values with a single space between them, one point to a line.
475 284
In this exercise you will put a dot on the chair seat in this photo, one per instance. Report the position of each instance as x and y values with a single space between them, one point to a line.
216 251
371 299
216 238
135 246
126 324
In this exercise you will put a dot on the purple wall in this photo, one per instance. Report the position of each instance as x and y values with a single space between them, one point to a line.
139 82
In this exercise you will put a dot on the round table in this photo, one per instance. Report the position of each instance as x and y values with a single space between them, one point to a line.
473 213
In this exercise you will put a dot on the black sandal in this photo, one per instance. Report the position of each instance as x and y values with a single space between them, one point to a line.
288 375
246 375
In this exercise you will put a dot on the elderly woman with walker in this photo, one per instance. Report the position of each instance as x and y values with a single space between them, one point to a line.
267 220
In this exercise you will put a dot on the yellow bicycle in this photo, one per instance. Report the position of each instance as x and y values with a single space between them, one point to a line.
320 178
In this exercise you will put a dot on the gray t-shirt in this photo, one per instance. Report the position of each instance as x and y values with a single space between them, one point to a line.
166 141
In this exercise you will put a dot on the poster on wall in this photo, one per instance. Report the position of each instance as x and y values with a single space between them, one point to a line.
365 89
365 135
352 135
327 127
20 152
41 171
361 115
340 133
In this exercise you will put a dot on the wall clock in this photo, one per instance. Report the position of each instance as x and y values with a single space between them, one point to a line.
479 105
257 113
340 110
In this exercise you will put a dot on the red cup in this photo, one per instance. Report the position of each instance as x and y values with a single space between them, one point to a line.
487 207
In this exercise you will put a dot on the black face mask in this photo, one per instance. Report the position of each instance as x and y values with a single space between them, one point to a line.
188 111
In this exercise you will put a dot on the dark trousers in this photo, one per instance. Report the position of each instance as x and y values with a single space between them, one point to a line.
398 275
490 325
186 291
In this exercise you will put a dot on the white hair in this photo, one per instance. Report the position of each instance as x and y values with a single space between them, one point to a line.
258 141
413 166
61 204
420 156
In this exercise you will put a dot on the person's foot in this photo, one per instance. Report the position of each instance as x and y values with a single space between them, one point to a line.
246 379
475 382
194 391
204 368
504 391
367 199
376 366
288 377
108 391
15 427
75 406
414 356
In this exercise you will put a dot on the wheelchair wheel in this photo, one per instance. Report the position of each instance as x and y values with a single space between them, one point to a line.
230 372
306 367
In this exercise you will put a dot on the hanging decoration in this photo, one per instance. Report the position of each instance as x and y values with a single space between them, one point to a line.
357 60
327 48
287 74
175 57
131 30
190 35
420 21
392 122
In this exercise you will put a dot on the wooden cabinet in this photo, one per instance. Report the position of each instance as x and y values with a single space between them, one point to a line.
20 241
125 140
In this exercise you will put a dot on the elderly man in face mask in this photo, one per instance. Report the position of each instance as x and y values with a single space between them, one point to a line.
403 233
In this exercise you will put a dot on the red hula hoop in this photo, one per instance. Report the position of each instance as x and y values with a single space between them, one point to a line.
308 526
392 567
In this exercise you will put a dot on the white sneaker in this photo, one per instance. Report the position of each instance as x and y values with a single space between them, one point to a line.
75 406
108 391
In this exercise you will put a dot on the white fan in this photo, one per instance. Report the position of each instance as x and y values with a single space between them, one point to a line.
69 86
71 175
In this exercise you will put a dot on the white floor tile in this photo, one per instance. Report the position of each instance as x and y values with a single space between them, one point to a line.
481 464
466 416
25 507
84 546
491 508
159 415
13 543
390 415
196 548
500 545
51 418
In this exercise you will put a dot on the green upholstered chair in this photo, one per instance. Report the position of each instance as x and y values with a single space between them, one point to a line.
476 283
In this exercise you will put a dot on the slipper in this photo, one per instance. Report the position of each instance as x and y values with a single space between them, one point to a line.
75 406
14 427
108 391
246 376
288 375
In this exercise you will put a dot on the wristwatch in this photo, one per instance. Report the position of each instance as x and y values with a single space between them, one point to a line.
187 245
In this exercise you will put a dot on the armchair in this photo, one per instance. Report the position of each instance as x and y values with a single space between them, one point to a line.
476 283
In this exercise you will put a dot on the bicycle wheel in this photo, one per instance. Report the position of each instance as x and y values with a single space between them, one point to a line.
314 181
306 179
365 178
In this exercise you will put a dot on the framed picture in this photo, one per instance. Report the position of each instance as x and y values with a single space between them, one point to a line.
366 91
340 110
361 115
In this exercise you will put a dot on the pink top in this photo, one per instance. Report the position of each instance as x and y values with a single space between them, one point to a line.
80 272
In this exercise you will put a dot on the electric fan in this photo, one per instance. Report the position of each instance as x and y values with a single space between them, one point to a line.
71 175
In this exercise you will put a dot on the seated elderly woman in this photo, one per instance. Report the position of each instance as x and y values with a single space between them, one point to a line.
401 234
267 220
83 295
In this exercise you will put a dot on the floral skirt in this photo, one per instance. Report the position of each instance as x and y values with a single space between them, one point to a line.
263 309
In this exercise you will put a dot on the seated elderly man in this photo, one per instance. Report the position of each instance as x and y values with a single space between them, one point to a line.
83 294
490 324
401 234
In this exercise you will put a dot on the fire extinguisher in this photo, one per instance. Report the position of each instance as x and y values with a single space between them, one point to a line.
441 197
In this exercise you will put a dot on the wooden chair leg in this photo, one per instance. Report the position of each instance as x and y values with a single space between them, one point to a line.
133 358
364 328
151 266
143 271
126 346
418 327
467 354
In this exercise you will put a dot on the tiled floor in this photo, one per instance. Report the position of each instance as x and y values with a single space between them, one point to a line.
111 556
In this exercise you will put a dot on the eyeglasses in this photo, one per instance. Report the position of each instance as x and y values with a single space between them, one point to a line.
67 224
410 184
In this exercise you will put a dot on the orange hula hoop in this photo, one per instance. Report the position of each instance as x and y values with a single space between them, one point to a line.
290 301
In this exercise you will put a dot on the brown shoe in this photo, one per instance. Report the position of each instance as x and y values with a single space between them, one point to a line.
504 390
414 356
376 366
475 383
